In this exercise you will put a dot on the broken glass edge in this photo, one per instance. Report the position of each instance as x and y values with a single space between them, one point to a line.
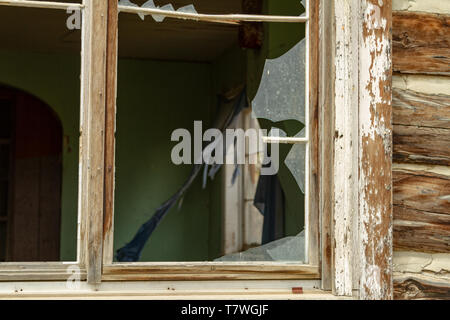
287 249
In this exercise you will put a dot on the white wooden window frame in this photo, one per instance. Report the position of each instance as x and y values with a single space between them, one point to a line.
225 270
89 204
354 140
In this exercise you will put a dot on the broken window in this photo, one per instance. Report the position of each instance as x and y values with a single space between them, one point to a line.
181 85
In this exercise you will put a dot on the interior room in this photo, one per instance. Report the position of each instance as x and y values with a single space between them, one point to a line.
170 74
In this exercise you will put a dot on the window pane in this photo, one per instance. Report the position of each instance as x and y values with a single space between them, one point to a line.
281 94
39 111
176 80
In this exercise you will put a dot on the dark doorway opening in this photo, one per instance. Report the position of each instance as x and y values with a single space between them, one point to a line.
30 178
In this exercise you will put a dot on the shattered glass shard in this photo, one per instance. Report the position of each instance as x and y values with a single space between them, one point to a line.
160 18
281 94
285 249
187 9
277 133
149 4
295 161
128 3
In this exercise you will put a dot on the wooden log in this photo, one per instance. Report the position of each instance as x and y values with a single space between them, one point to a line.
421 43
419 109
420 190
421 211
417 286
375 151
421 231
421 145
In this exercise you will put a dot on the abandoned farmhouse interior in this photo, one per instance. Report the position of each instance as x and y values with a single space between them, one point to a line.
354 110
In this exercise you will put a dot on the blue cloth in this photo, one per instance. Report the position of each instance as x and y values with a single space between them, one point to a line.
131 252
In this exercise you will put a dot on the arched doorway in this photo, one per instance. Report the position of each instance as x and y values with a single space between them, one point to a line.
30 178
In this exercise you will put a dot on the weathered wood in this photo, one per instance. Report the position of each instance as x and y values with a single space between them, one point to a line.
412 108
110 129
421 145
375 151
326 125
41 4
433 264
421 231
224 290
207 271
82 152
345 180
421 211
40 271
416 286
433 6
313 189
167 295
95 18
421 43
421 190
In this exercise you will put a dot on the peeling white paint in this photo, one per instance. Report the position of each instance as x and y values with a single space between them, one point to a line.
346 143
431 6
374 70
422 83
420 262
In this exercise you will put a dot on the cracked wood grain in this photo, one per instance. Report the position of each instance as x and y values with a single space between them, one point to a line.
421 287
412 108
93 136
424 145
345 146
421 43
110 126
421 211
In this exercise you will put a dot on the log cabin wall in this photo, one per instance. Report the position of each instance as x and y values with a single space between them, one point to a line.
421 169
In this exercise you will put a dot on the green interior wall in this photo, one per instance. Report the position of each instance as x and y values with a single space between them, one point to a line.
154 98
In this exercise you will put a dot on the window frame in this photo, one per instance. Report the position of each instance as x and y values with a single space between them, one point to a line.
214 270
349 63
91 128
